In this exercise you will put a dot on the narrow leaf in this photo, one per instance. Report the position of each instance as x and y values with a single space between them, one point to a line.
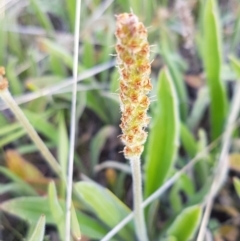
164 135
38 234
212 58
186 223
75 228
56 209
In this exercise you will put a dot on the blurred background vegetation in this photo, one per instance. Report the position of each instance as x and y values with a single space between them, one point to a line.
199 43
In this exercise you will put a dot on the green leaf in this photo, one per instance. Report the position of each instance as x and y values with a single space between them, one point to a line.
212 58
38 234
199 107
91 227
9 128
42 17
63 143
57 51
57 66
75 224
42 125
107 207
93 102
22 185
184 184
188 141
170 238
56 209
15 188
71 9
88 52
12 76
186 223
164 135
28 208
236 182
176 73
12 137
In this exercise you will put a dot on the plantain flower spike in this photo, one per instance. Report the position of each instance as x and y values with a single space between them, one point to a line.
133 63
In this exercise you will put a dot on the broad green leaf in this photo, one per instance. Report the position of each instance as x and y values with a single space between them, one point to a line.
28 208
188 141
38 234
98 143
212 59
236 182
186 223
31 208
107 207
163 136
56 209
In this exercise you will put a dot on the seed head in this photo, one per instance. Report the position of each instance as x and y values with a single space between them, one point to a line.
134 66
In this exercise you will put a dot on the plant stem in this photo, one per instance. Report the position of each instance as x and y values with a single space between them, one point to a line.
73 125
8 99
137 199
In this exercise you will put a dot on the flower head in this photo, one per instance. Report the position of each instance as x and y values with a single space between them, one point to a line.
133 62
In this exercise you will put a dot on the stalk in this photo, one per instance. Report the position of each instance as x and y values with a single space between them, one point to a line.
137 193
10 102
134 66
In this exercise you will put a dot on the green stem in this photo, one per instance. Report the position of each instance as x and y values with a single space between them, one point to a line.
140 226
